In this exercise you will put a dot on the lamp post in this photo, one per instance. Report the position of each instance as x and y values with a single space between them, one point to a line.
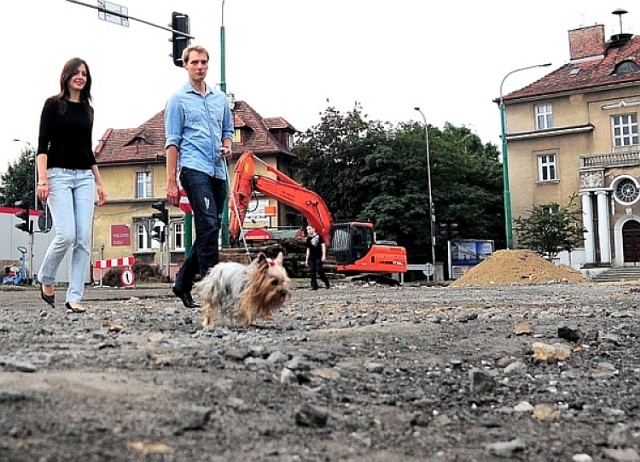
35 172
505 157
432 215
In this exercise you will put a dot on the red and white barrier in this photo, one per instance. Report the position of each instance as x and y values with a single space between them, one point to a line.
114 262
127 277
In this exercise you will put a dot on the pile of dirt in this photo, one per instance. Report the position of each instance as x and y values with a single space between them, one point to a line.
507 267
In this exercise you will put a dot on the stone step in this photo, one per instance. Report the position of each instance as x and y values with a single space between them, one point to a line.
625 273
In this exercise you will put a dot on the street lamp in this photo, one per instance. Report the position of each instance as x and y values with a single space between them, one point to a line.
35 172
432 215
505 157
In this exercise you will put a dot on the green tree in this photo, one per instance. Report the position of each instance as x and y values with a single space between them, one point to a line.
18 182
373 171
467 183
331 158
550 228
466 187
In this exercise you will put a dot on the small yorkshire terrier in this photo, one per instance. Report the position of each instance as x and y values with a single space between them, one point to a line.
244 292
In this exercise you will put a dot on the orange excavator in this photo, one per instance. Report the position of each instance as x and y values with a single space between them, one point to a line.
352 244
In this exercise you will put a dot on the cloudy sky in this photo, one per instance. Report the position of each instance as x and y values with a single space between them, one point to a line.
288 57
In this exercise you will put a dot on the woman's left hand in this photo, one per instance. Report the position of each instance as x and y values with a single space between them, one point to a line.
102 195
43 192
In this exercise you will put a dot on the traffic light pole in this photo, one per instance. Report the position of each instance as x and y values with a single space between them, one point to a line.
27 227
31 275
164 234
131 18
223 88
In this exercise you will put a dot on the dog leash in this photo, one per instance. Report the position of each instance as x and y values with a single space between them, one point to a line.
235 205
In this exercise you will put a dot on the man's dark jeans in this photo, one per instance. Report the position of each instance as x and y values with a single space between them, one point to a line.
206 196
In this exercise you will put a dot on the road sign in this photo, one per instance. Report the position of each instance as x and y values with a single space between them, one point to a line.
428 270
127 278
184 204
105 10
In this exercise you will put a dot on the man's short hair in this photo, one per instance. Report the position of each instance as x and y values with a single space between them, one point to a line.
196 48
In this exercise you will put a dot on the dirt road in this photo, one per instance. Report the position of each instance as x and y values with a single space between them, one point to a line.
355 373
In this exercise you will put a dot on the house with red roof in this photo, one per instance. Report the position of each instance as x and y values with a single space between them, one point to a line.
132 163
575 132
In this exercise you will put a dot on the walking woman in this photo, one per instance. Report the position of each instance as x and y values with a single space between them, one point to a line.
67 180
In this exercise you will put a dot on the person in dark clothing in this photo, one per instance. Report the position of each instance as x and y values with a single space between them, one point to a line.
68 178
316 254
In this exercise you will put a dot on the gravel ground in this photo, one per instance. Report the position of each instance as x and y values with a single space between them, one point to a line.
355 373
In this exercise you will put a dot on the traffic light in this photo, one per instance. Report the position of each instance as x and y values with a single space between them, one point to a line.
448 231
162 214
27 224
157 233
179 23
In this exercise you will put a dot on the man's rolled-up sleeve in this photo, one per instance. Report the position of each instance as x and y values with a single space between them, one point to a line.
173 122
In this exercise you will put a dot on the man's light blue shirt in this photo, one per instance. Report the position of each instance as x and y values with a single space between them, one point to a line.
196 124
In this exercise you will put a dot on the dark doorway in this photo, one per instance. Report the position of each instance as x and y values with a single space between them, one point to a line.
631 241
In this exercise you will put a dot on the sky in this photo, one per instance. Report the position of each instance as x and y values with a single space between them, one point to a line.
294 58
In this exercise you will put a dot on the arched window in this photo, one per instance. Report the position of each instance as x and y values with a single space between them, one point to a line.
626 67
626 191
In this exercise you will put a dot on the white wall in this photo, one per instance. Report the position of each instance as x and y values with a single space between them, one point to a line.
12 237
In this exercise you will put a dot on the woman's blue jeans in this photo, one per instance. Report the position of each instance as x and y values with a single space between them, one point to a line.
206 196
71 202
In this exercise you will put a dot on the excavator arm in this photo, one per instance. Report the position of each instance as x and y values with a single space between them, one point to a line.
283 189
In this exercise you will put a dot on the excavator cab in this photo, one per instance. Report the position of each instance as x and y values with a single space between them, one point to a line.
355 249
349 242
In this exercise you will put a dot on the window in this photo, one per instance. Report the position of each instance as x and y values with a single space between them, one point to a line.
625 130
544 116
143 240
547 167
289 140
626 191
178 236
143 185
626 67
237 136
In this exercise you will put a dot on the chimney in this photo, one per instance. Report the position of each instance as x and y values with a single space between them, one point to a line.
618 40
587 42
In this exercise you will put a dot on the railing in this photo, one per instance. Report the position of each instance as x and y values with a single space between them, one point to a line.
610 160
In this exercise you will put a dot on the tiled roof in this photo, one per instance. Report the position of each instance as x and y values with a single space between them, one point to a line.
146 142
278 123
258 138
585 74
140 144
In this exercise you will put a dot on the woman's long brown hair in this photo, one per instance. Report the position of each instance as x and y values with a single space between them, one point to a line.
69 69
